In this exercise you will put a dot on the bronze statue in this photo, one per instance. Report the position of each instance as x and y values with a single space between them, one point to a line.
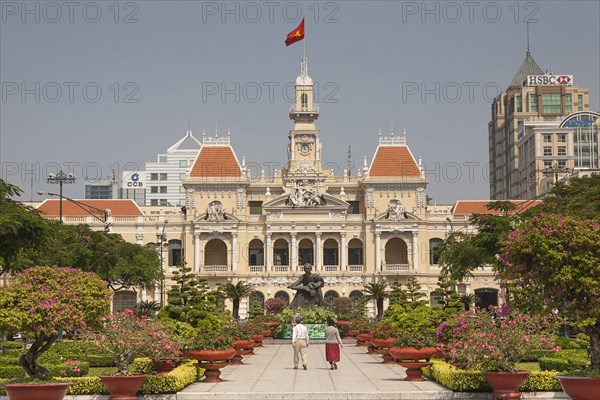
308 289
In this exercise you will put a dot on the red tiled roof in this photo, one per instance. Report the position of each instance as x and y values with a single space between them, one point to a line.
465 207
394 161
216 162
120 208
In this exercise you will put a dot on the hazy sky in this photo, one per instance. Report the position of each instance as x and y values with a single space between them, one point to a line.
94 85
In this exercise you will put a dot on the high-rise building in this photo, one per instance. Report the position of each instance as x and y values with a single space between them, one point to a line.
532 93
101 189
164 177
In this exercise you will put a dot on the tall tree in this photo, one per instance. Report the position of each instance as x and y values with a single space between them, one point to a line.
377 291
21 227
236 293
575 196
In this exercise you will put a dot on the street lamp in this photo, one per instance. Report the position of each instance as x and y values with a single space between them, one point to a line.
100 215
160 238
61 178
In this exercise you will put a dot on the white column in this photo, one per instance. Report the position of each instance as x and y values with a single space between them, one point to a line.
294 253
377 252
318 261
269 254
157 295
234 252
197 252
143 294
344 251
415 252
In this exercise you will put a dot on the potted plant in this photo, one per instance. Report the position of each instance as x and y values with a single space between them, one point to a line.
43 301
552 263
213 349
343 307
242 342
493 342
126 336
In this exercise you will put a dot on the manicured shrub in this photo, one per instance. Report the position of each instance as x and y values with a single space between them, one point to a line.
142 366
556 364
12 371
12 345
9 360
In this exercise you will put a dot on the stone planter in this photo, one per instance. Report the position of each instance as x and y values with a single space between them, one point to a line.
382 346
505 385
414 370
123 387
212 361
42 391
363 339
411 353
580 387
242 347
344 327
164 366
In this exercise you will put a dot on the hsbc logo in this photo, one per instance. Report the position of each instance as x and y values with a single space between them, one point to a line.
548 80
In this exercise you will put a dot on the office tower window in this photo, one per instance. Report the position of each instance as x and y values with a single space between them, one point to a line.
551 103
547 150
579 102
568 103
533 102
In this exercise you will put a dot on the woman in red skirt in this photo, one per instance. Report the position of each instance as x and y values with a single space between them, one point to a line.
333 341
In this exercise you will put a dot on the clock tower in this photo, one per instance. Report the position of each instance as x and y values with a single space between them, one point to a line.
304 150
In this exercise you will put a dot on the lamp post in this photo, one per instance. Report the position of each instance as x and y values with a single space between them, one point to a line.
61 178
100 215
160 237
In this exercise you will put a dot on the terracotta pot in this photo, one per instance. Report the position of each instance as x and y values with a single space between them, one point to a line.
122 387
272 324
212 356
257 340
380 343
505 385
164 366
411 353
580 387
353 332
42 391
414 371
267 333
242 343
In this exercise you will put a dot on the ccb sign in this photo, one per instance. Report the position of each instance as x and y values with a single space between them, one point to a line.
133 180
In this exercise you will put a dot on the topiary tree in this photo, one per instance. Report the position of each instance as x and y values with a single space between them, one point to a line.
43 301
343 307
552 263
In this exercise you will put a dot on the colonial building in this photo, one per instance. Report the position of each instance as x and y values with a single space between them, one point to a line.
355 229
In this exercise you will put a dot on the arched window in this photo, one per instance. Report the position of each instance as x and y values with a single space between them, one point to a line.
124 300
304 99
433 245
355 252
215 252
486 297
396 251
281 252
329 296
330 252
175 252
356 296
256 252
305 252
283 296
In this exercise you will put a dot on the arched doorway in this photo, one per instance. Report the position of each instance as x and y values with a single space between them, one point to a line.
215 253
283 296
329 296
330 255
305 252
396 255
256 258
355 255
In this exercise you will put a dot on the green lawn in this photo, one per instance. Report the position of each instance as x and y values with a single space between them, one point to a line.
528 366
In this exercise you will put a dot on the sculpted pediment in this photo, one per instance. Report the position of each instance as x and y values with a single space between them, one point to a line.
215 213
306 200
395 212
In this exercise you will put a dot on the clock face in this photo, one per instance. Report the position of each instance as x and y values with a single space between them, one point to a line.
304 149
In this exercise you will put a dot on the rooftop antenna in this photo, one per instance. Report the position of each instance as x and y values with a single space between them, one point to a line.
527 23
391 125
216 126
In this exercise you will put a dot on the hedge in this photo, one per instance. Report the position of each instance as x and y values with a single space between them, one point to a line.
63 370
459 380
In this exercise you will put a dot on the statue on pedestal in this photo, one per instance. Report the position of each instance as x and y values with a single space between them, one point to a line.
308 289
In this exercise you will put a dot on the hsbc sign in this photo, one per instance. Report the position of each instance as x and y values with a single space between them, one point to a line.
548 80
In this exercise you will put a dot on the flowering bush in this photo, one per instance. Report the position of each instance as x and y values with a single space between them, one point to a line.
43 300
240 334
211 340
384 330
126 336
492 341
343 307
362 325
275 305
418 340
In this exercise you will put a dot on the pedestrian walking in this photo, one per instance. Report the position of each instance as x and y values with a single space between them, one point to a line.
333 341
300 343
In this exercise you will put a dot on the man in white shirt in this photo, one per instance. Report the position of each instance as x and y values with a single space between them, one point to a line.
300 343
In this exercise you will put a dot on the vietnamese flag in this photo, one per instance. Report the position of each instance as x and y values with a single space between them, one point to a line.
296 35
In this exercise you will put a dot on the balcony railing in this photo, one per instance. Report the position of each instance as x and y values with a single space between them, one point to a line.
216 268
331 268
304 109
396 267
257 268
356 268
280 268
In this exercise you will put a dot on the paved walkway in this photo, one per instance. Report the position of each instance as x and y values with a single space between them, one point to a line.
269 374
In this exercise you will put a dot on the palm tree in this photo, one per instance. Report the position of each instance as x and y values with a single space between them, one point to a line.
236 292
377 291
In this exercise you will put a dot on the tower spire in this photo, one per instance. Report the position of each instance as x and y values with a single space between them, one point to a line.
527 23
